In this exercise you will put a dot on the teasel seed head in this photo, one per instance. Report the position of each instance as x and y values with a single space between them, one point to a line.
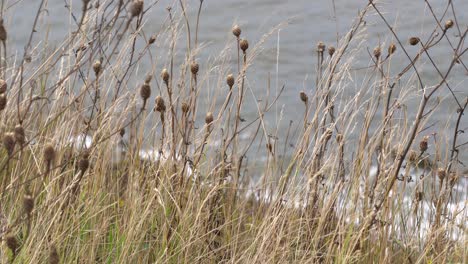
413 41
9 142
165 76
145 91
160 105
28 204
441 173
377 52
194 68
244 45
304 97
331 50
136 8
391 49
230 80
53 255
12 243
412 156
3 101
423 144
209 118
448 24
3 86
185 107
19 134
97 67
148 78
83 163
321 47
49 153
236 31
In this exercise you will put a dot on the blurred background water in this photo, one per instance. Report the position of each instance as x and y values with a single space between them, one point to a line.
289 55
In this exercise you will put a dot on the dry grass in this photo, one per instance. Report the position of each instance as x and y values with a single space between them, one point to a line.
165 177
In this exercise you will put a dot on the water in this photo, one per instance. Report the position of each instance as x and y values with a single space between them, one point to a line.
288 55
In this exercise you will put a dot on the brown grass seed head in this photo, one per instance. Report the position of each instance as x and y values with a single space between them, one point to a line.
49 153
9 142
83 163
391 49
331 50
377 52
441 173
230 80
321 47
423 144
185 107
194 67
160 105
165 76
3 101
19 134
448 24
303 96
97 67
413 41
145 91
209 118
3 33
236 31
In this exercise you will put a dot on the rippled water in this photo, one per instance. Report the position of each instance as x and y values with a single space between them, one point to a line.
288 55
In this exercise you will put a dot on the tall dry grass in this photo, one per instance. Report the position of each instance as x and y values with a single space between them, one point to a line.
106 162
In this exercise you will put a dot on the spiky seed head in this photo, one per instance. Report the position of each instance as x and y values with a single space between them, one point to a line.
412 156
185 107
377 52
148 78
244 45
9 142
391 49
83 163
3 101
3 86
194 68
97 67
145 91
441 173
331 50
165 76
321 47
423 144
19 134
28 204
236 31
12 243
303 96
136 8
209 118
152 39
49 153
160 105
230 80
413 41
448 24
53 255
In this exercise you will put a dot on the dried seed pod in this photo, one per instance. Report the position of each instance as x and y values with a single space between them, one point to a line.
151 40
413 41
165 76
448 24
418 196
136 8
3 33
303 96
328 134
339 138
194 68
83 163
160 105
122 132
236 31
9 142
423 144
230 80
377 52
12 243
97 67
28 204
53 255
321 47
19 134
244 45
3 101
331 50
145 91
148 78
412 156
209 118
185 107
49 153
3 86
441 173
391 49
